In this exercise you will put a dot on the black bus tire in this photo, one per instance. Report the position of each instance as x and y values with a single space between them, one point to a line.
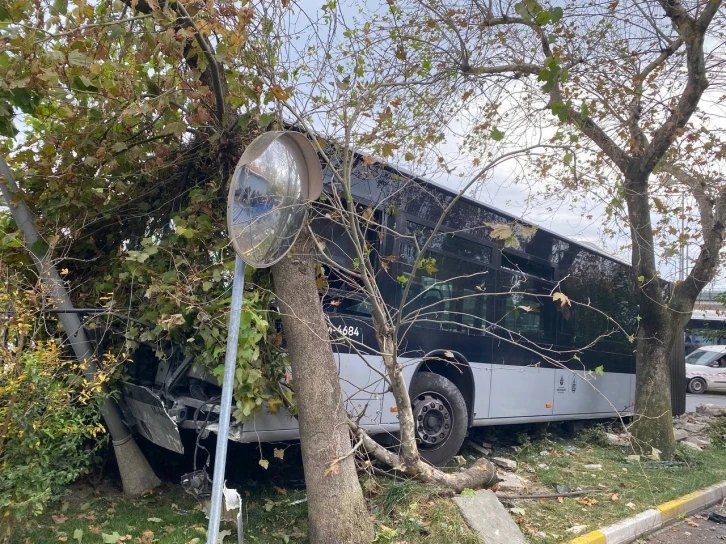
430 388
697 386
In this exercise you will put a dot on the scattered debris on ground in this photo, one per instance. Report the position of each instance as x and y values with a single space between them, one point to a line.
496 526
552 487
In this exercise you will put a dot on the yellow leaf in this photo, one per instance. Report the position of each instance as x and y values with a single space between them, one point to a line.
279 92
499 231
564 301
367 214
388 149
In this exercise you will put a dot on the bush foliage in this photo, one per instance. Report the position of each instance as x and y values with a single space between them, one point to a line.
49 413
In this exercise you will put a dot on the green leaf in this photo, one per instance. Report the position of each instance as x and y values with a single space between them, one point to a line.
39 247
12 240
556 15
543 18
113 538
403 280
61 8
561 110
468 492
641 280
266 119
496 134
264 463
177 128
600 370
154 520
76 58
78 535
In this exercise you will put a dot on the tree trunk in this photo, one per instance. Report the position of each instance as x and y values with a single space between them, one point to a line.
337 512
653 426
137 476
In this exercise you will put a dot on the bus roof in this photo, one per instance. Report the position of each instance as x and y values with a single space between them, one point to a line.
586 245
709 315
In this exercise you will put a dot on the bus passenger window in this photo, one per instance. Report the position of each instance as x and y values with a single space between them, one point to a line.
452 295
522 313
342 296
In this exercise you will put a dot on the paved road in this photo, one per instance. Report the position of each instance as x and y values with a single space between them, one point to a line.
692 401
699 531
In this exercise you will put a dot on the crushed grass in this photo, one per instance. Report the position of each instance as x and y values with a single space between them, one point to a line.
403 511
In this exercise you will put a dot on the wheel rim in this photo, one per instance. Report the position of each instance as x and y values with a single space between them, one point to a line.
434 419
697 386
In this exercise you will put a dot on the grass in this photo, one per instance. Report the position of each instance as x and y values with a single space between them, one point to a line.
402 511
619 489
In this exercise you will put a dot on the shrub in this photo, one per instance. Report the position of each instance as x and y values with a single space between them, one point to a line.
49 413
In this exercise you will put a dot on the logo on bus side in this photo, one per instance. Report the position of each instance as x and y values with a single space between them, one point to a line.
574 383
562 388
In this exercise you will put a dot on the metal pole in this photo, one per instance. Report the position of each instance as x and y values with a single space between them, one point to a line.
225 409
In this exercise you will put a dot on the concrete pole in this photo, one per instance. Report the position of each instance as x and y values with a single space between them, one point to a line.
136 473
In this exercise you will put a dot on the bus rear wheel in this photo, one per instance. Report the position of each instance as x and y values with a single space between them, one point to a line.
440 416
697 386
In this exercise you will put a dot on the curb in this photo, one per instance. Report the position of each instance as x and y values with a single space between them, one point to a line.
629 529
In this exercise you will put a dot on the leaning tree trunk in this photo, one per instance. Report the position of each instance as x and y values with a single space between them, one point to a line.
336 510
137 476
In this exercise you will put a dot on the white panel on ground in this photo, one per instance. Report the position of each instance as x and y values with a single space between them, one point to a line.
521 391
579 392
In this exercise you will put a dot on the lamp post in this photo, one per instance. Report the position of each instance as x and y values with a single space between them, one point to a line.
277 175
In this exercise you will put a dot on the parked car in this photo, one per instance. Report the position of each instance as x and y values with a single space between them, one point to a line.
706 369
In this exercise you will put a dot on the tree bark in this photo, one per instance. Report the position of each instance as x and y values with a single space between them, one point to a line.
653 419
337 512
653 425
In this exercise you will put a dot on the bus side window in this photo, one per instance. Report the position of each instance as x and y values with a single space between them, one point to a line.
450 294
521 311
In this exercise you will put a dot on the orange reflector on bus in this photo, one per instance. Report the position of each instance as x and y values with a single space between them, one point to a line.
548 405
394 408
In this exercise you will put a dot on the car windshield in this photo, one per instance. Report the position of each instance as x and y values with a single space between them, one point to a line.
703 357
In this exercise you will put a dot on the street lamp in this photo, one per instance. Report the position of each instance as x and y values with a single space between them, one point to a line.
277 175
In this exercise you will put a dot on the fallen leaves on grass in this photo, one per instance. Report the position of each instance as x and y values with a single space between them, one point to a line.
59 519
147 537
589 502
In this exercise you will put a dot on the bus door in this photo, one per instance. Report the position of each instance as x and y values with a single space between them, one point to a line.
523 380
